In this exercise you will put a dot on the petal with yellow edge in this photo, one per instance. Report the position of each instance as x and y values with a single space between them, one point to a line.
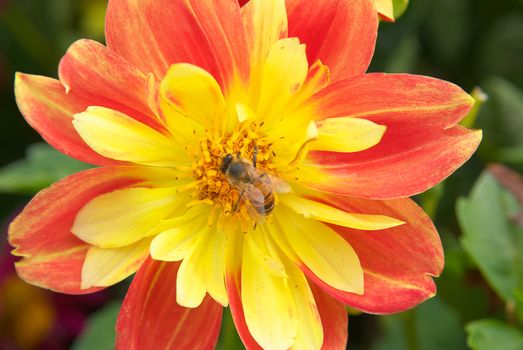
190 287
178 235
347 135
264 295
312 209
182 128
150 317
233 264
212 32
212 267
322 250
283 74
397 263
420 114
341 33
118 136
265 22
334 319
88 67
105 267
123 217
386 171
309 335
193 93
52 257
203 270
49 110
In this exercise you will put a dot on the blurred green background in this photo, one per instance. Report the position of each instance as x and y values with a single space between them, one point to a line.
477 44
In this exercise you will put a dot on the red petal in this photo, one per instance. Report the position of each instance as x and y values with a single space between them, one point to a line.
150 318
341 33
235 303
334 319
52 255
398 262
153 34
49 110
422 145
90 69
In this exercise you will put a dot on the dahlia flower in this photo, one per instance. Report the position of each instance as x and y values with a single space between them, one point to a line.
245 160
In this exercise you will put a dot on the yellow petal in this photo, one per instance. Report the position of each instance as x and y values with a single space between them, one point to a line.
212 266
182 128
179 240
323 251
347 134
122 217
275 231
310 328
105 267
268 303
233 248
202 249
283 75
317 78
385 7
118 136
244 113
190 288
194 93
265 23
311 209
273 265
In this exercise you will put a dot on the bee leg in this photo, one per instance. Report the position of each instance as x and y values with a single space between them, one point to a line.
236 205
255 155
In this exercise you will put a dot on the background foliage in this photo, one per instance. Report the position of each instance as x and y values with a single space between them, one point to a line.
478 211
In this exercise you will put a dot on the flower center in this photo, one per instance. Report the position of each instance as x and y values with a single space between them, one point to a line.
213 186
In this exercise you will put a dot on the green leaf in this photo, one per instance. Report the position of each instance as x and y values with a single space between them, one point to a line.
431 326
501 118
448 335
42 166
229 338
501 46
490 237
493 334
470 300
100 331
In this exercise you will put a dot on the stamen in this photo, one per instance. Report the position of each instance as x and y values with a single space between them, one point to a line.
210 184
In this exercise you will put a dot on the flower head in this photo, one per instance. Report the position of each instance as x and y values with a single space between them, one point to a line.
247 161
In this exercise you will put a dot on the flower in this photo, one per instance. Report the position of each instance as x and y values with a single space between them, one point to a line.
205 117
33 318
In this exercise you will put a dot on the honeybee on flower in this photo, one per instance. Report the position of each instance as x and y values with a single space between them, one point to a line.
174 109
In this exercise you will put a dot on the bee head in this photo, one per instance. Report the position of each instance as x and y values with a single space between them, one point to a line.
226 162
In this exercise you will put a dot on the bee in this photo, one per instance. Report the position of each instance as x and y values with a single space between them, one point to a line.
256 188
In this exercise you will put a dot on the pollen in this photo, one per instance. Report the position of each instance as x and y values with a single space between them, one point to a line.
211 185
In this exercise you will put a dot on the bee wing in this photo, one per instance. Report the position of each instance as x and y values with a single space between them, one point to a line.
254 200
277 184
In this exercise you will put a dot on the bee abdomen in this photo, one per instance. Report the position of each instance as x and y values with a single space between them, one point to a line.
268 205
